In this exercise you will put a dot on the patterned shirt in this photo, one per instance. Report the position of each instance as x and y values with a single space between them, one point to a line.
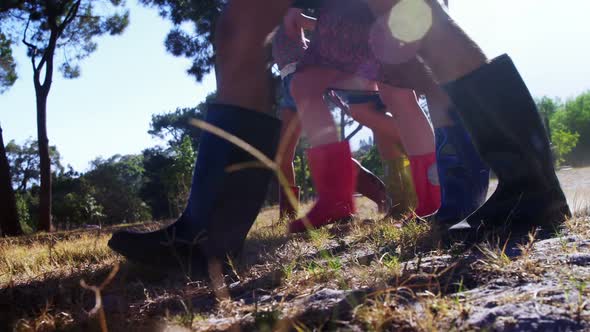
285 50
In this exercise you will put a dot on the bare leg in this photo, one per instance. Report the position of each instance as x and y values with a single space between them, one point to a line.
445 47
389 149
383 125
308 88
418 138
416 132
461 54
290 133
332 168
242 85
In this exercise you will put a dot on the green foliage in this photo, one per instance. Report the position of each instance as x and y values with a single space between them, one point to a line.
167 178
175 126
24 203
302 172
570 127
69 26
25 164
201 17
7 64
74 202
153 191
116 183
547 106
372 161
564 142
178 175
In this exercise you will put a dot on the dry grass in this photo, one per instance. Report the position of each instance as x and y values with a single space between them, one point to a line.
28 261
392 263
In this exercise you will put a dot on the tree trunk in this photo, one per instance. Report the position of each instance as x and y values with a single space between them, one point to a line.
45 163
9 224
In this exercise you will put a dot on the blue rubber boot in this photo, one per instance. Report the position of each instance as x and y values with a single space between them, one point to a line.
463 176
222 204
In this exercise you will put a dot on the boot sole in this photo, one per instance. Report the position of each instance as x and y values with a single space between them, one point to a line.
517 223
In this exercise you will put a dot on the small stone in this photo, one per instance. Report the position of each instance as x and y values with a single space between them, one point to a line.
579 259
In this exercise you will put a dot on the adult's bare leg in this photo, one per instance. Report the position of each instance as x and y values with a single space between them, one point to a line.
241 56
498 111
223 205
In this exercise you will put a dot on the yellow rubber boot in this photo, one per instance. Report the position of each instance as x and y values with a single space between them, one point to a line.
400 187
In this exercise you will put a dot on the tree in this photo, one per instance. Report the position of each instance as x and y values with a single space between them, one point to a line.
177 176
198 46
9 223
154 190
571 122
74 201
547 108
25 163
564 142
167 178
175 126
51 25
116 184
7 64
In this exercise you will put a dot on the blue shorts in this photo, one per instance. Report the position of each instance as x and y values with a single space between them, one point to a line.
287 100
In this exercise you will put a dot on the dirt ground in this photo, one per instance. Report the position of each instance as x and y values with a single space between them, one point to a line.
575 182
371 274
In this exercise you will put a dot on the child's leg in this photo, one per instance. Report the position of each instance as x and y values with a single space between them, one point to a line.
307 88
330 161
414 128
290 133
367 183
418 138
463 177
397 174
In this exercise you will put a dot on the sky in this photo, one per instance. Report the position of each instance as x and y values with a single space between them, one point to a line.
108 109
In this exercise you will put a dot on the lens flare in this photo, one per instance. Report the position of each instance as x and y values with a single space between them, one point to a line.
395 37
410 20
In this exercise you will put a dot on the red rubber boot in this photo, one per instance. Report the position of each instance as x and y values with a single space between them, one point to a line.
334 176
425 177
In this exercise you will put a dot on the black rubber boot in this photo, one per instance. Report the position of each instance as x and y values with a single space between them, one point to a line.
222 205
501 116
